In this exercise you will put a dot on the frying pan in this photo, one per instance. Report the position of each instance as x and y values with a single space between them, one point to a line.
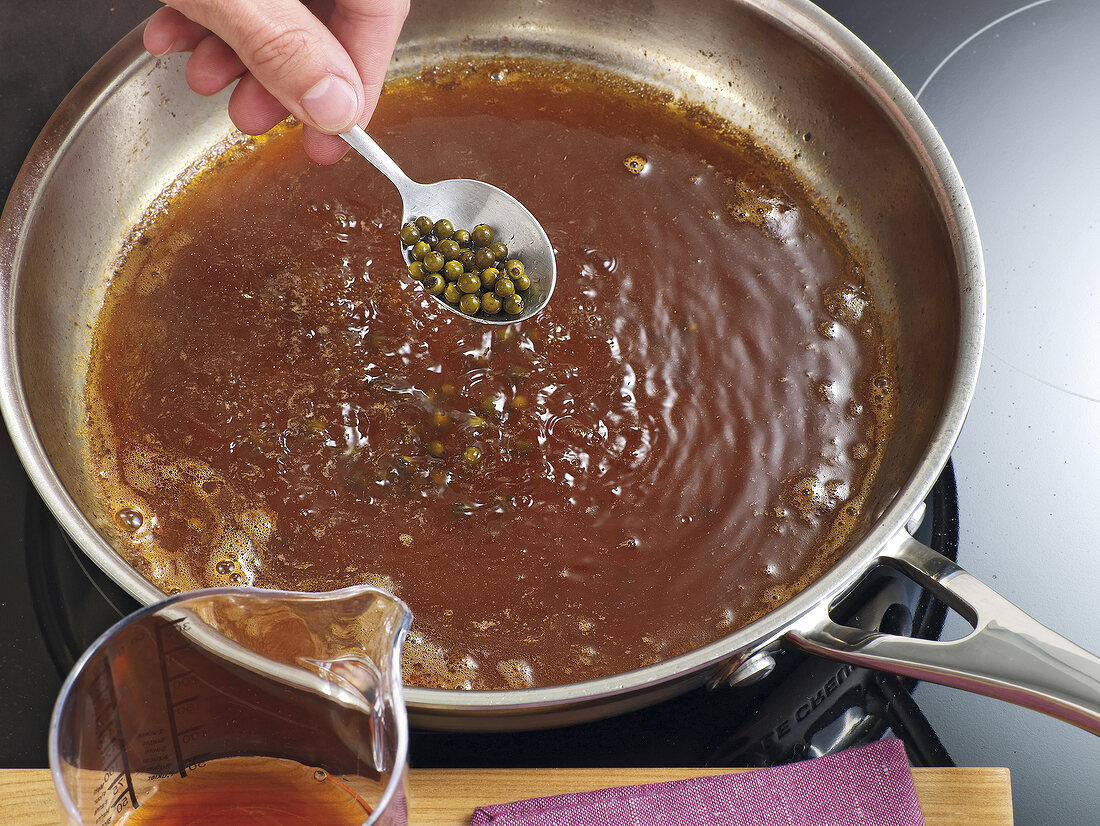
782 70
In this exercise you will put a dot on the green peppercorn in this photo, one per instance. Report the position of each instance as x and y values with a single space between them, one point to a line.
436 449
434 261
417 271
469 304
409 235
489 277
444 228
513 304
434 284
514 267
424 224
469 283
482 235
449 247
504 287
453 270
484 258
490 304
499 250
471 455
462 237
452 293
467 259
419 250
521 282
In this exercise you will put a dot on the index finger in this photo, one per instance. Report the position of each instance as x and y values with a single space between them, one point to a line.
291 53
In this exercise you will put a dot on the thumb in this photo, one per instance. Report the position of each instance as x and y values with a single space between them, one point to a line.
291 53
368 29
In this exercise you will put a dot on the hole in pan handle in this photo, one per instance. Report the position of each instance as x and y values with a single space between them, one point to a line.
1008 655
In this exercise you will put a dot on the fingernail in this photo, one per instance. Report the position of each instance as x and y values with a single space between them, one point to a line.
331 104
169 49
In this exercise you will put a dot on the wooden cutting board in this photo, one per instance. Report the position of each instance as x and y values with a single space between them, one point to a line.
447 797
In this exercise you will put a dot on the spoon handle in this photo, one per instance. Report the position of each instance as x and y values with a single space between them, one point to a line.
364 144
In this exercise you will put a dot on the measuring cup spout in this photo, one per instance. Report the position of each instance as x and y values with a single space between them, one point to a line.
288 697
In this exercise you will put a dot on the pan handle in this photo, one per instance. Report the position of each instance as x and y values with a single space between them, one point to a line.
1008 655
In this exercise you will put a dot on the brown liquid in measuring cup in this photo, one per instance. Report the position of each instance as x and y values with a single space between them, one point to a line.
678 443
251 791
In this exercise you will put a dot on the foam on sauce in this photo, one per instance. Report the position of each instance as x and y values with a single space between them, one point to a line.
678 443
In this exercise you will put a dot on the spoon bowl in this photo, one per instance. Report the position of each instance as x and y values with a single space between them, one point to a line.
467 203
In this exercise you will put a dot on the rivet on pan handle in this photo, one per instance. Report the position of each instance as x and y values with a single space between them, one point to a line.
1008 655
744 671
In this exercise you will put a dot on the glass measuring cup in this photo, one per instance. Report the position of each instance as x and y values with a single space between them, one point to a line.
239 705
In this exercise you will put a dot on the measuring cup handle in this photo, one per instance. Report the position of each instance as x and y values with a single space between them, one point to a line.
1008 655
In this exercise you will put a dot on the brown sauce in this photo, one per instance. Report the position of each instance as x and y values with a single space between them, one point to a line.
679 442
250 791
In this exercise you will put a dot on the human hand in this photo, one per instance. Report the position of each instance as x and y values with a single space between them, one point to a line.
324 63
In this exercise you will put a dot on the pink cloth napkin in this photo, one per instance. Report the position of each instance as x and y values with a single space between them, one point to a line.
867 786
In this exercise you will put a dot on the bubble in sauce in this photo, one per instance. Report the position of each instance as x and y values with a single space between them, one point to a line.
425 662
382 582
808 496
258 523
727 619
587 655
635 164
516 673
129 519
881 393
846 303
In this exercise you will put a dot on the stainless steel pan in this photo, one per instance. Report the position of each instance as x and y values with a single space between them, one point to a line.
780 68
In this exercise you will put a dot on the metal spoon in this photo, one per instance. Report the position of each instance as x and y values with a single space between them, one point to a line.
467 203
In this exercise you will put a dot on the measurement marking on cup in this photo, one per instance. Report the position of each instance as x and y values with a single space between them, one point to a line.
115 739
183 646
199 760
167 681
129 791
